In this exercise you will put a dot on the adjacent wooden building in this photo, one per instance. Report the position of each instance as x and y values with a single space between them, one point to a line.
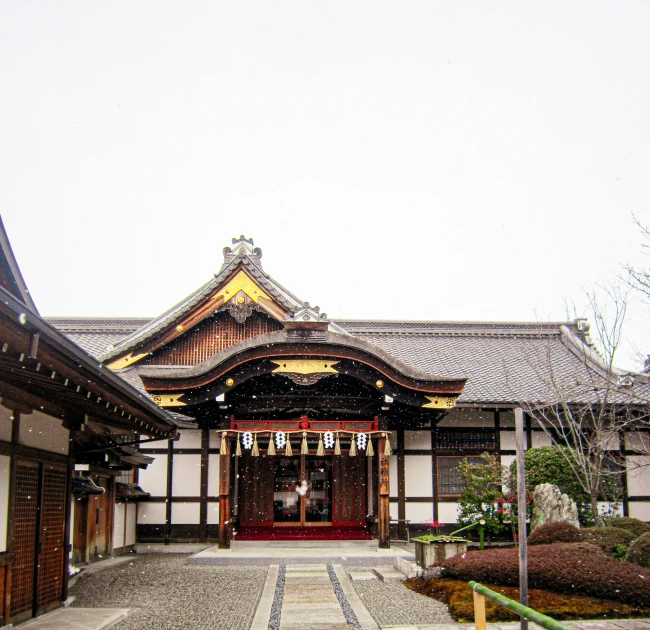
58 406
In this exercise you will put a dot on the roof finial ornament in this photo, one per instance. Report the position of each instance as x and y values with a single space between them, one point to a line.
242 247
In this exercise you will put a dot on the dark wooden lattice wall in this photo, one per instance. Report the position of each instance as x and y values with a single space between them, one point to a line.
349 490
39 538
210 337
256 505
25 512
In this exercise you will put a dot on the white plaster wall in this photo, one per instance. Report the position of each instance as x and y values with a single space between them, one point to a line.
418 475
610 509
507 419
508 441
448 512
638 476
157 444
541 438
637 442
393 509
189 438
213 513
151 513
186 476
185 513
213 475
392 475
118 525
610 440
640 510
419 512
6 419
417 440
131 511
468 418
5 460
214 440
153 479
506 460
39 430
392 438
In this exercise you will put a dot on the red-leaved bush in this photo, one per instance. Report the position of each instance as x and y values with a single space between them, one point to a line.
554 533
578 568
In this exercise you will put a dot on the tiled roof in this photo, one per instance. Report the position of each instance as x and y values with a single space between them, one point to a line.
505 362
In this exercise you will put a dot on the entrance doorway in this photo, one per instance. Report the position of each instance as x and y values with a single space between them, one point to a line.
302 491
303 494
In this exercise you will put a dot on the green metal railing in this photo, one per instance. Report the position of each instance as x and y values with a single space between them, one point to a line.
528 614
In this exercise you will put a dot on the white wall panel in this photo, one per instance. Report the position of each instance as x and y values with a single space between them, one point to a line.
470 418
419 512
5 460
637 442
640 510
131 511
392 438
118 525
213 475
151 513
213 513
508 440
540 438
507 419
154 479
417 440
392 475
157 444
638 476
189 438
39 430
610 440
393 509
448 512
186 476
6 419
185 513
418 475
214 439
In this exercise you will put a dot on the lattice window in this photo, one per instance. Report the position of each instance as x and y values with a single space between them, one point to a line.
211 337
50 572
448 476
466 440
24 543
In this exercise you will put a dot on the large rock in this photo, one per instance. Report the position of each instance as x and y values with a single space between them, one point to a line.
551 506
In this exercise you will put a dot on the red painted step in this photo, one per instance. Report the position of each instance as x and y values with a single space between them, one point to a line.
303 533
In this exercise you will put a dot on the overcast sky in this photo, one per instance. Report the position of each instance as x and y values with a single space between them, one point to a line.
403 160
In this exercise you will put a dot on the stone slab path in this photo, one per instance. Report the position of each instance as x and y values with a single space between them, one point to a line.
310 597
77 619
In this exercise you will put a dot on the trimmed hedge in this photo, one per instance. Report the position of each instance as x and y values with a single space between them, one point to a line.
578 568
614 541
633 525
555 532
459 599
639 551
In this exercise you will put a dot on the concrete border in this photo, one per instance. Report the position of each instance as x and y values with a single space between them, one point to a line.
264 606
361 612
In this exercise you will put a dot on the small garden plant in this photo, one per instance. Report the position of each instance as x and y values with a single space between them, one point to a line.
555 532
639 551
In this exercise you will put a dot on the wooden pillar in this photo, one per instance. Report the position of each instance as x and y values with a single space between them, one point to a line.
383 511
170 478
401 486
521 506
224 498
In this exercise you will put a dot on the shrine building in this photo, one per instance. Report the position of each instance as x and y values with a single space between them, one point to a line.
294 425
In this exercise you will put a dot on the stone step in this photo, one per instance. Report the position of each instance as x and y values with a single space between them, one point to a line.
388 573
360 576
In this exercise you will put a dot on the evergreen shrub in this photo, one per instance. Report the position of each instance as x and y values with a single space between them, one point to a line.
639 551
574 568
614 541
555 533
633 525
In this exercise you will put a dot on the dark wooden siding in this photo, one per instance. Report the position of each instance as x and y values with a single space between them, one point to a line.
349 490
211 337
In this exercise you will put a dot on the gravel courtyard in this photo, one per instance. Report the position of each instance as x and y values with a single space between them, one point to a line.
392 604
166 593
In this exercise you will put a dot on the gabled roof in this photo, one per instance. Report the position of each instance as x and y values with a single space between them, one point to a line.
11 279
240 275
